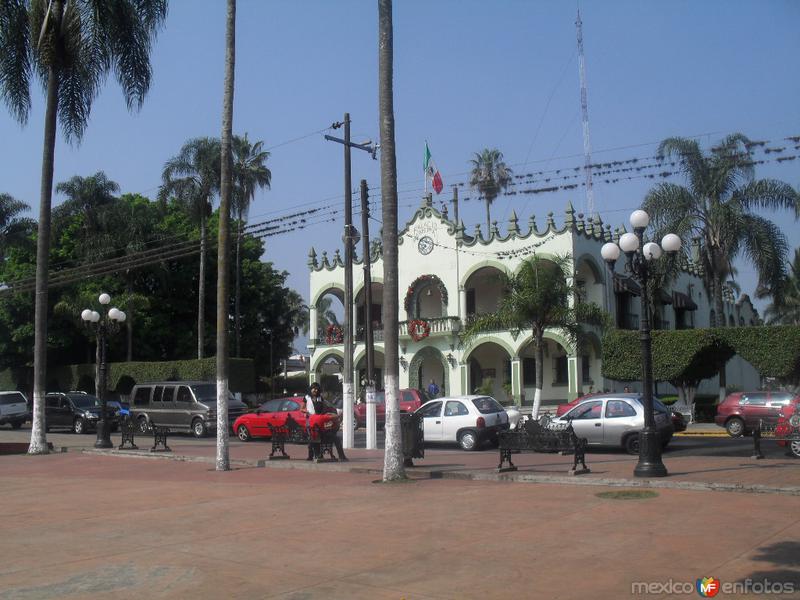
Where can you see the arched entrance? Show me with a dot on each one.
(429, 363)
(328, 373)
(489, 371)
(426, 298)
(361, 370)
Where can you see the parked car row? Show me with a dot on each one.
(741, 412)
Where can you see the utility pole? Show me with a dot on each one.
(347, 325)
(372, 424)
(455, 205)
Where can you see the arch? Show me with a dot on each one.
(416, 287)
(329, 288)
(548, 256)
(549, 334)
(488, 263)
(328, 353)
(486, 339)
(416, 363)
(357, 289)
(362, 354)
(591, 262)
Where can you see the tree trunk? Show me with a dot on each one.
(719, 309)
(488, 218)
(237, 314)
(38, 443)
(201, 285)
(223, 250)
(537, 395)
(393, 468)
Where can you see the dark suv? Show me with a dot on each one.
(76, 411)
(741, 411)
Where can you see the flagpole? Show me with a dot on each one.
(425, 169)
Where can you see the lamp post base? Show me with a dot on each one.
(103, 436)
(650, 464)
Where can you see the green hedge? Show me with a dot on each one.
(698, 353)
(241, 373)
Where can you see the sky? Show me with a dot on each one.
(469, 75)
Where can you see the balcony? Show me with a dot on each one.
(439, 325)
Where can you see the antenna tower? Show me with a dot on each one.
(587, 144)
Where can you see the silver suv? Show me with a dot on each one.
(181, 406)
(13, 409)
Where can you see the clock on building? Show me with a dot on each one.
(425, 245)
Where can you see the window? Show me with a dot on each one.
(157, 393)
(51, 401)
(619, 408)
(408, 397)
(289, 406)
(431, 410)
(169, 394)
(528, 371)
(587, 410)
(471, 301)
(562, 371)
(142, 397)
(271, 406)
(586, 369)
(755, 399)
(184, 395)
(487, 405)
(12, 399)
(455, 409)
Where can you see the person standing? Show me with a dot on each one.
(433, 389)
(313, 407)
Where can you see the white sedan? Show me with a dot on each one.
(467, 420)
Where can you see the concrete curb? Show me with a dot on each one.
(469, 475)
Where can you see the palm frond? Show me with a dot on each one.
(15, 58)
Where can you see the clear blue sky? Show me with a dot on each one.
(469, 74)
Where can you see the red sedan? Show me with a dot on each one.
(789, 426)
(276, 412)
(410, 400)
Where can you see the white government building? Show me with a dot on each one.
(446, 276)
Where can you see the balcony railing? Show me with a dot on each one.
(439, 325)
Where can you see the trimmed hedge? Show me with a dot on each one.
(696, 354)
(241, 373)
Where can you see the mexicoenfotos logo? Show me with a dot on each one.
(708, 587)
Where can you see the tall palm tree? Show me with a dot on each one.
(224, 243)
(13, 228)
(393, 468)
(70, 45)
(250, 173)
(192, 178)
(90, 197)
(537, 299)
(490, 175)
(785, 308)
(719, 207)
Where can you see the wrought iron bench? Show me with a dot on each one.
(128, 428)
(542, 436)
(291, 432)
(160, 439)
(767, 432)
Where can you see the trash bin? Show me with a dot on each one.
(413, 437)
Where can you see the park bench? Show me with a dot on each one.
(128, 429)
(291, 432)
(542, 436)
(767, 432)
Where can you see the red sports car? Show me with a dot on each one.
(276, 412)
(789, 426)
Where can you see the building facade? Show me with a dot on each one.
(447, 276)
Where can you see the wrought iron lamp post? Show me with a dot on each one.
(103, 325)
(638, 255)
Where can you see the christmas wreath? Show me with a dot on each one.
(419, 329)
(333, 334)
(423, 279)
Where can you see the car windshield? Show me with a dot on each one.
(85, 401)
(207, 391)
(12, 399)
(487, 405)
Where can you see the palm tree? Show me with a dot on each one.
(537, 298)
(393, 468)
(489, 176)
(719, 208)
(70, 46)
(224, 243)
(250, 173)
(192, 178)
(785, 308)
(90, 197)
(13, 228)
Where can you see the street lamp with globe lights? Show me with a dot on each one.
(638, 256)
(103, 325)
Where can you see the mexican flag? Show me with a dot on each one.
(431, 172)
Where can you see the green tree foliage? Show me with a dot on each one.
(489, 176)
(785, 309)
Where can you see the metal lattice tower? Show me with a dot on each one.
(587, 144)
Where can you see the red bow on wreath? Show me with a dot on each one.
(333, 334)
(419, 329)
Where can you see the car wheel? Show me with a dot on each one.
(631, 444)
(16, 424)
(199, 428)
(243, 433)
(79, 426)
(735, 427)
(468, 440)
(794, 446)
(144, 426)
